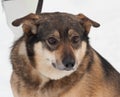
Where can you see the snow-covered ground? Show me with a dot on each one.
(105, 39)
(5, 66)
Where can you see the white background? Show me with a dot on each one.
(105, 39)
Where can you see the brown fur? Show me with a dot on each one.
(94, 77)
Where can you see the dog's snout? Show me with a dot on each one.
(69, 65)
(68, 62)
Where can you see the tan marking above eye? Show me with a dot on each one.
(75, 39)
(72, 33)
(56, 34)
(53, 39)
(73, 36)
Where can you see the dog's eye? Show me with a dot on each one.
(75, 39)
(52, 41)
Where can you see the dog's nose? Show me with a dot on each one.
(68, 62)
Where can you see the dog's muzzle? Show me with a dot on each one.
(67, 64)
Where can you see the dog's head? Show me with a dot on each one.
(56, 42)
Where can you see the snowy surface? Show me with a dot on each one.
(5, 66)
(105, 39)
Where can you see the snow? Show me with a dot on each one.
(5, 66)
(105, 39)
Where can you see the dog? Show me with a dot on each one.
(54, 58)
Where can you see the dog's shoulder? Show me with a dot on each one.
(110, 74)
(107, 67)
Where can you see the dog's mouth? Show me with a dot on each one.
(62, 67)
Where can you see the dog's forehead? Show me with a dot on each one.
(58, 16)
(50, 22)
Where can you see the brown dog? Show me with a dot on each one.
(53, 58)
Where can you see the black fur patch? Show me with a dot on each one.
(107, 67)
(30, 41)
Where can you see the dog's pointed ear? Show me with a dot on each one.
(87, 23)
(28, 23)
